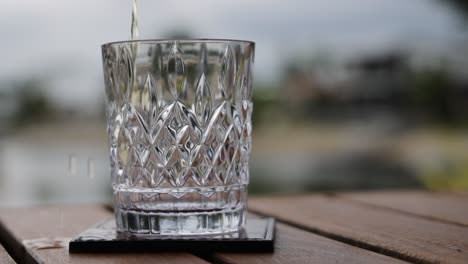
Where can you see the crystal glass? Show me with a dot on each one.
(179, 125)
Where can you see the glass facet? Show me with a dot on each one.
(179, 126)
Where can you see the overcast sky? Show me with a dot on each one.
(60, 39)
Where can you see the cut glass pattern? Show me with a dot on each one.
(179, 130)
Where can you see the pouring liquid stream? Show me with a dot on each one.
(135, 34)
(134, 29)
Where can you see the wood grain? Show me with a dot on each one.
(293, 245)
(381, 230)
(5, 257)
(18, 225)
(445, 207)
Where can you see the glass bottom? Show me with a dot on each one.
(193, 211)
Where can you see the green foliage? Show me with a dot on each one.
(431, 93)
(265, 101)
(453, 178)
(33, 105)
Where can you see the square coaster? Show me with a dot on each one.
(257, 236)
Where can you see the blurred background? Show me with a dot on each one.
(348, 95)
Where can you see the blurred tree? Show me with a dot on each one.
(178, 33)
(432, 93)
(264, 101)
(461, 6)
(33, 105)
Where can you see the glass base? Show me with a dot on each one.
(196, 212)
(193, 223)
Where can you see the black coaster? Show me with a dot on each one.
(257, 236)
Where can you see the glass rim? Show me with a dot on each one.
(180, 40)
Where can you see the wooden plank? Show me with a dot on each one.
(20, 228)
(446, 207)
(298, 246)
(381, 230)
(5, 257)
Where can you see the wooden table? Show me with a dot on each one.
(373, 227)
